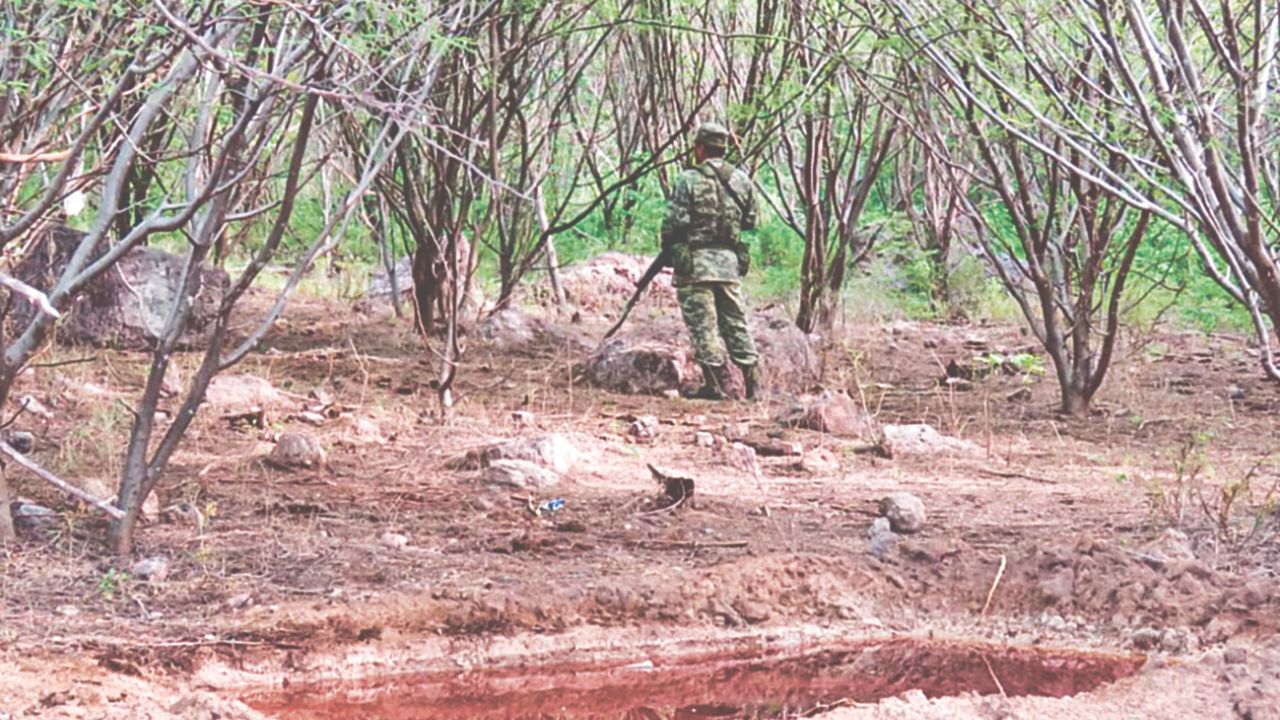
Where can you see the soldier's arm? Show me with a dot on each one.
(676, 222)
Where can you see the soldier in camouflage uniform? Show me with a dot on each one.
(712, 204)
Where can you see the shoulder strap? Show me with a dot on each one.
(724, 180)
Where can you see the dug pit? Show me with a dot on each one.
(716, 686)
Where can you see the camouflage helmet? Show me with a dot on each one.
(712, 134)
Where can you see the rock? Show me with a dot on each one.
(1170, 546)
(520, 474)
(644, 429)
(151, 569)
(645, 360)
(365, 430)
(125, 308)
(704, 439)
(904, 511)
(297, 451)
(23, 442)
(753, 611)
(241, 394)
(655, 359)
(881, 537)
(1060, 587)
(29, 403)
(1235, 655)
(511, 329)
(831, 412)
(381, 282)
(30, 516)
(820, 462)
(1146, 638)
(550, 451)
(743, 457)
(1176, 642)
(920, 439)
(313, 419)
(395, 541)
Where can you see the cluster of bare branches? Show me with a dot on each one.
(1082, 126)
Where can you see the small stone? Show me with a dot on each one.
(1172, 544)
(151, 506)
(644, 429)
(1235, 392)
(1020, 395)
(241, 394)
(819, 461)
(881, 537)
(704, 439)
(753, 611)
(550, 451)
(30, 404)
(395, 541)
(151, 569)
(1056, 623)
(170, 387)
(68, 610)
(311, 418)
(31, 516)
(736, 432)
(236, 602)
(365, 430)
(904, 511)
(744, 458)
(520, 474)
(522, 417)
(23, 442)
(1235, 655)
(297, 451)
(1146, 638)
(1177, 642)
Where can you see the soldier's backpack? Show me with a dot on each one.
(724, 232)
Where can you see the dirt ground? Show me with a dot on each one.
(390, 558)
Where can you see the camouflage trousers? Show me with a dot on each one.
(712, 311)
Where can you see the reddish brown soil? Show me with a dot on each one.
(715, 686)
(290, 580)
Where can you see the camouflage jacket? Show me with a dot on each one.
(704, 221)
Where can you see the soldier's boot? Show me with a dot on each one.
(750, 381)
(712, 384)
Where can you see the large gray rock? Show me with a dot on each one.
(126, 307)
(551, 451)
(644, 360)
(921, 439)
(654, 358)
(519, 474)
(511, 328)
(904, 511)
